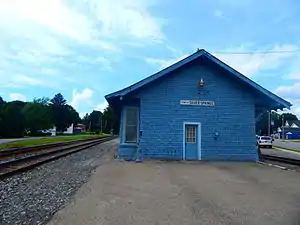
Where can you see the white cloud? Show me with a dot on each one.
(292, 94)
(47, 71)
(295, 109)
(289, 90)
(102, 62)
(249, 64)
(49, 21)
(108, 46)
(49, 33)
(101, 106)
(164, 63)
(54, 15)
(82, 114)
(83, 97)
(295, 75)
(218, 13)
(17, 96)
(127, 18)
(26, 80)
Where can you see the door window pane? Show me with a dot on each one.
(190, 134)
(131, 116)
(131, 133)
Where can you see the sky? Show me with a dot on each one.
(85, 49)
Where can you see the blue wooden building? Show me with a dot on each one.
(197, 109)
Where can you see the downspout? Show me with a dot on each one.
(138, 153)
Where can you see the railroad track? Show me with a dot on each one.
(19, 160)
(290, 161)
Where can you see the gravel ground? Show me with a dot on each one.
(34, 196)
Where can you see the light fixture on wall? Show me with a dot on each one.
(201, 83)
(216, 135)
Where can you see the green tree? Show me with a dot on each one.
(73, 115)
(13, 123)
(1, 101)
(2, 105)
(63, 114)
(58, 99)
(95, 121)
(86, 121)
(43, 100)
(110, 120)
(288, 116)
(59, 113)
(262, 125)
(37, 116)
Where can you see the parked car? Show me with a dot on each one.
(265, 141)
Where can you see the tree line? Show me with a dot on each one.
(105, 122)
(18, 118)
(276, 121)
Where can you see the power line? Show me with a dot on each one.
(256, 53)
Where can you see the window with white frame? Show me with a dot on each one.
(131, 124)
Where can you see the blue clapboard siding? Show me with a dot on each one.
(162, 117)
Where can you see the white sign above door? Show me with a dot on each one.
(197, 102)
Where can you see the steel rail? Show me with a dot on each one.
(8, 152)
(18, 165)
(281, 159)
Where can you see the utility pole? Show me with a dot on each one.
(101, 124)
(269, 124)
(282, 130)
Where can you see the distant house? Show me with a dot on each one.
(79, 128)
(69, 130)
(292, 129)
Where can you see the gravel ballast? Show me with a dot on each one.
(34, 196)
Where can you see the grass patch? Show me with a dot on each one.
(48, 140)
(286, 149)
(293, 140)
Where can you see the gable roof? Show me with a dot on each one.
(200, 53)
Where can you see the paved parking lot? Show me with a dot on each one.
(185, 193)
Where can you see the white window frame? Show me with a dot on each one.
(124, 125)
